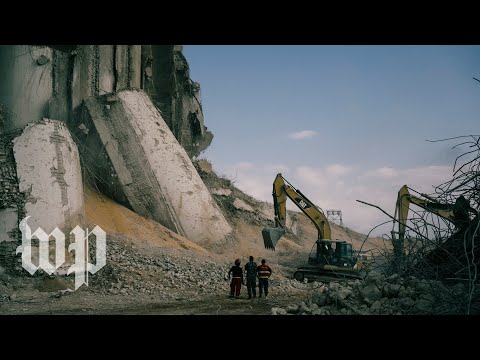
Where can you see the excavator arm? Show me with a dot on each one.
(282, 190)
(457, 213)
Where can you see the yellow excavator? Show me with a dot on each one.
(329, 259)
(457, 213)
(437, 263)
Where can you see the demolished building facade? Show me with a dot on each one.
(126, 119)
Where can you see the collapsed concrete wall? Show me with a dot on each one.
(82, 71)
(149, 171)
(49, 176)
(53, 81)
(116, 164)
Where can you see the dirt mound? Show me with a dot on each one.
(115, 218)
(47, 284)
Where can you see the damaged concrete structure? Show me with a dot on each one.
(40, 177)
(167, 82)
(142, 140)
(52, 81)
(49, 174)
(148, 171)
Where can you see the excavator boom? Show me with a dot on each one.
(456, 213)
(282, 190)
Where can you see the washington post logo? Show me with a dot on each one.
(81, 266)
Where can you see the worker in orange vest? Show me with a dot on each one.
(263, 273)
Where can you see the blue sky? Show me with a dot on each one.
(340, 122)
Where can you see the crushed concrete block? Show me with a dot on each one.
(406, 303)
(266, 211)
(319, 298)
(391, 290)
(205, 166)
(242, 205)
(370, 293)
(49, 173)
(292, 309)
(344, 293)
(278, 311)
(153, 172)
(222, 192)
(376, 306)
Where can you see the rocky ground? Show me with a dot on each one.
(165, 281)
(172, 281)
(151, 270)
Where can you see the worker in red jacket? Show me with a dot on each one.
(237, 279)
(263, 273)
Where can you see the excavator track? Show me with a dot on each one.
(321, 275)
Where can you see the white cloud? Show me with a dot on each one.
(383, 172)
(243, 165)
(277, 168)
(338, 170)
(338, 186)
(310, 176)
(304, 134)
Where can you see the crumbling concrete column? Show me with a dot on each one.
(135, 65)
(106, 64)
(25, 83)
(167, 81)
(85, 77)
(40, 177)
(156, 176)
(128, 66)
(49, 176)
(11, 203)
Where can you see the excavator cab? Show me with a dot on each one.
(335, 253)
(330, 260)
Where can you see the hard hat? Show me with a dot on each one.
(237, 262)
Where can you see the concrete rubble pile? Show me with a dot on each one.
(379, 295)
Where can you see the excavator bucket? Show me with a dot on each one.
(271, 236)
